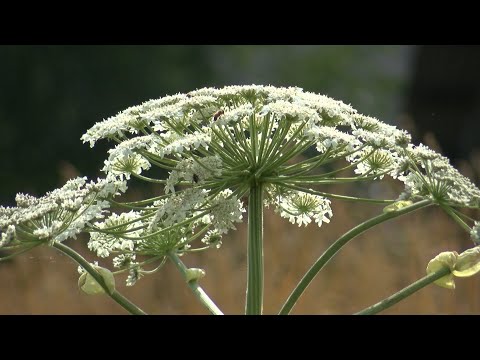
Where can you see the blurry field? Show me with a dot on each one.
(371, 267)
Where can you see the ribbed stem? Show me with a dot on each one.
(254, 301)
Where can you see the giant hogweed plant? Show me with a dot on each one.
(227, 154)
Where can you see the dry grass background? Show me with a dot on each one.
(371, 267)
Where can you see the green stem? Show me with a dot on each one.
(21, 251)
(405, 292)
(115, 295)
(147, 179)
(337, 245)
(455, 217)
(197, 290)
(340, 197)
(254, 301)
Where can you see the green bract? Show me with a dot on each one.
(464, 265)
(90, 286)
(444, 259)
(194, 274)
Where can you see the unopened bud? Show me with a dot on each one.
(89, 285)
(442, 260)
(194, 274)
(397, 206)
(468, 263)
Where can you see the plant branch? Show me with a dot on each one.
(115, 295)
(193, 285)
(405, 292)
(337, 245)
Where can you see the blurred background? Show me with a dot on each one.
(50, 95)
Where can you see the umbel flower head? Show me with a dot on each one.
(59, 215)
(218, 144)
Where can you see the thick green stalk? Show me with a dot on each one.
(193, 284)
(115, 295)
(254, 301)
(337, 245)
(405, 292)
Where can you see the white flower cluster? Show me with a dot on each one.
(134, 118)
(436, 179)
(103, 243)
(8, 236)
(329, 138)
(218, 141)
(194, 171)
(225, 211)
(216, 145)
(301, 208)
(178, 207)
(62, 213)
(475, 233)
(234, 115)
(186, 123)
(295, 110)
(377, 162)
(133, 276)
(175, 144)
(125, 159)
(213, 237)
